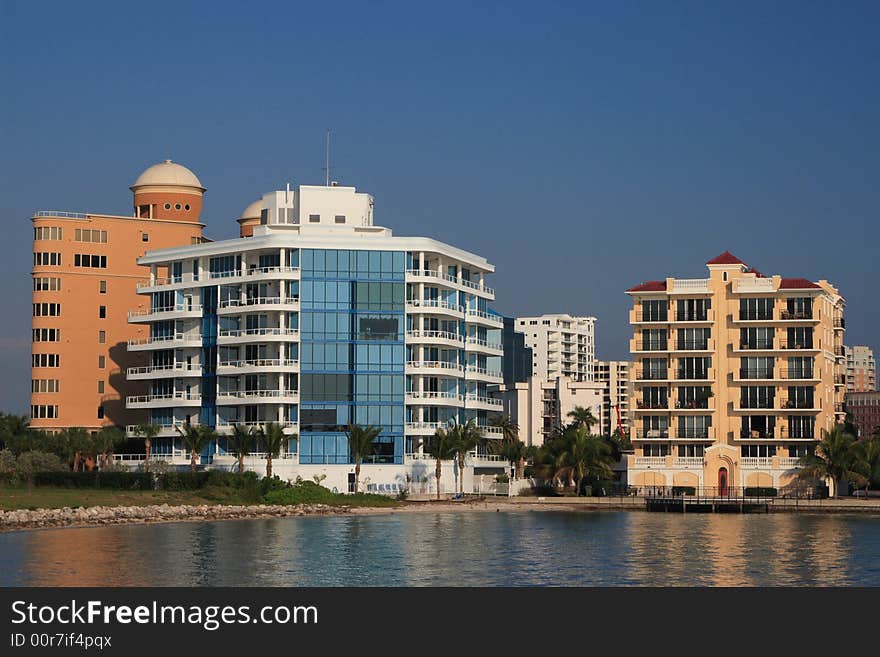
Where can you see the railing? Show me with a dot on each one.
(688, 461)
(435, 364)
(696, 375)
(256, 271)
(258, 301)
(690, 285)
(652, 404)
(178, 395)
(839, 379)
(697, 316)
(484, 400)
(753, 285)
(797, 345)
(639, 315)
(438, 335)
(694, 345)
(484, 343)
(159, 339)
(755, 316)
(257, 424)
(701, 433)
(432, 273)
(244, 394)
(796, 314)
(756, 344)
(839, 322)
(789, 462)
(797, 404)
(179, 308)
(649, 434)
(756, 405)
(650, 460)
(434, 303)
(652, 375)
(60, 214)
(175, 367)
(693, 404)
(470, 369)
(839, 350)
(259, 362)
(235, 333)
(421, 394)
(420, 426)
(659, 345)
(750, 373)
(472, 312)
(796, 374)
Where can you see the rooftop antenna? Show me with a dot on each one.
(327, 168)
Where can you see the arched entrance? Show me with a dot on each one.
(723, 489)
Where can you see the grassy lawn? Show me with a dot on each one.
(57, 498)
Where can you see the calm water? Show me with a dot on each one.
(466, 549)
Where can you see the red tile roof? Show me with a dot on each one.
(726, 258)
(649, 286)
(796, 284)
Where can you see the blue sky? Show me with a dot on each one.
(580, 147)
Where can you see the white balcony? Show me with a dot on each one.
(269, 334)
(180, 311)
(233, 367)
(689, 286)
(165, 431)
(174, 399)
(433, 276)
(174, 341)
(483, 346)
(756, 462)
(482, 374)
(423, 428)
(224, 428)
(649, 461)
(163, 371)
(424, 398)
(236, 397)
(434, 307)
(482, 317)
(476, 401)
(238, 306)
(434, 368)
(445, 338)
(261, 273)
(753, 285)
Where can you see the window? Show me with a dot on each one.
(102, 337)
(102, 287)
(47, 233)
(756, 309)
(314, 218)
(340, 218)
(89, 260)
(177, 206)
(90, 235)
(102, 362)
(145, 237)
(692, 310)
(186, 207)
(46, 284)
(100, 387)
(44, 385)
(43, 412)
(45, 360)
(102, 312)
(46, 335)
(100, 412)
(44, 259)
(47, 309)
(167, 206)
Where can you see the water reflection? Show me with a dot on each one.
(457, 549)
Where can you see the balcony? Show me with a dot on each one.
(653, 375)
(258, 273)
(482, 374)
(478, 344)
(163, 371)
(273, 334)
(756, 345)
(225, 427)
(477, 400)
(435, 306)
(695, 433)
(839, 350)
(165, 342)
(176, 398)
(695, 375)
(434, 275)
(648, 461)
(435, 337)
(689, 286)
(639, 316)
(651, 434)
(755, 375)
(704, 404)
(705, 316)
(637, 346)
(433, 398)
(652, 404)
(434, 368)
(808, 405)
(752, 316)
(796, 315)
(234, 367)
(179, 311)
(236, 306)
(753, 285)
(797, 345)
(756, 462)
(839, 323)
(481, 316)
(227, 397)
(423, 428)
(694, 345)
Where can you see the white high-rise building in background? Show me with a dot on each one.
(561, 345)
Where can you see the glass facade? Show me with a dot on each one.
(352, 353)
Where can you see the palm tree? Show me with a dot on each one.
(588, 458)
(583, 417)
(440, 447)
(868, 461)
(516, 452)
(466, 438)
(105, 441)
(834, 458)
(239, 442)
(360, 443)
(195, 439)
(77, 442)
(509, 428)
(147, 432)
(271, 439)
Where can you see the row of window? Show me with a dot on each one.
(47, 233)
(47, 309)
(47, 284)
(44, 385)
(46, 335)
(45, 360)
(89, 260)
(44, 411)
(90, 235)
(46, 259)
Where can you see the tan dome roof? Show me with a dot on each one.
(167, 173)
(252, 211)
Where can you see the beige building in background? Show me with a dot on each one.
(861, 369)
(736, 376)
(617, 391)
(562, 345)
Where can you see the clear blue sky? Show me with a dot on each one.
(580, 147)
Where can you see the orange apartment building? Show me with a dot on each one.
(85, 276)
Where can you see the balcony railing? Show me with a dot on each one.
(802, 374)
(694, 345)
(652, 375)
(693, 404)
(484, 343)
(648, 434)
(749, 373)
(435, 364)
(797, 345)
(756, 344)
(755, 316)
(796, 404)
(434, 335)
(697, 316)
(258, 301)
(839, 322)
(658, 404)
(236, 333)
(694, 375)
(756, 404)
(796, 314)
(702, 433)
(839, 350)
(639, 315)
(259, 362)
(651, 345)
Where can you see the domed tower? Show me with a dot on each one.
(250, 218)
(168, 191)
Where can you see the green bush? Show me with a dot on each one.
(184, 480)
(760, 491)
(94, 479)
(302, 492)
(275, 483)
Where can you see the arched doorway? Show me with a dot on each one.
(723, 489)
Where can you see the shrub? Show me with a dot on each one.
(403, 494)
(183, 480)
(302, 492)
(276, 483)
(94, 479)
(7, 462)
(684, 490)
(502, 479)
